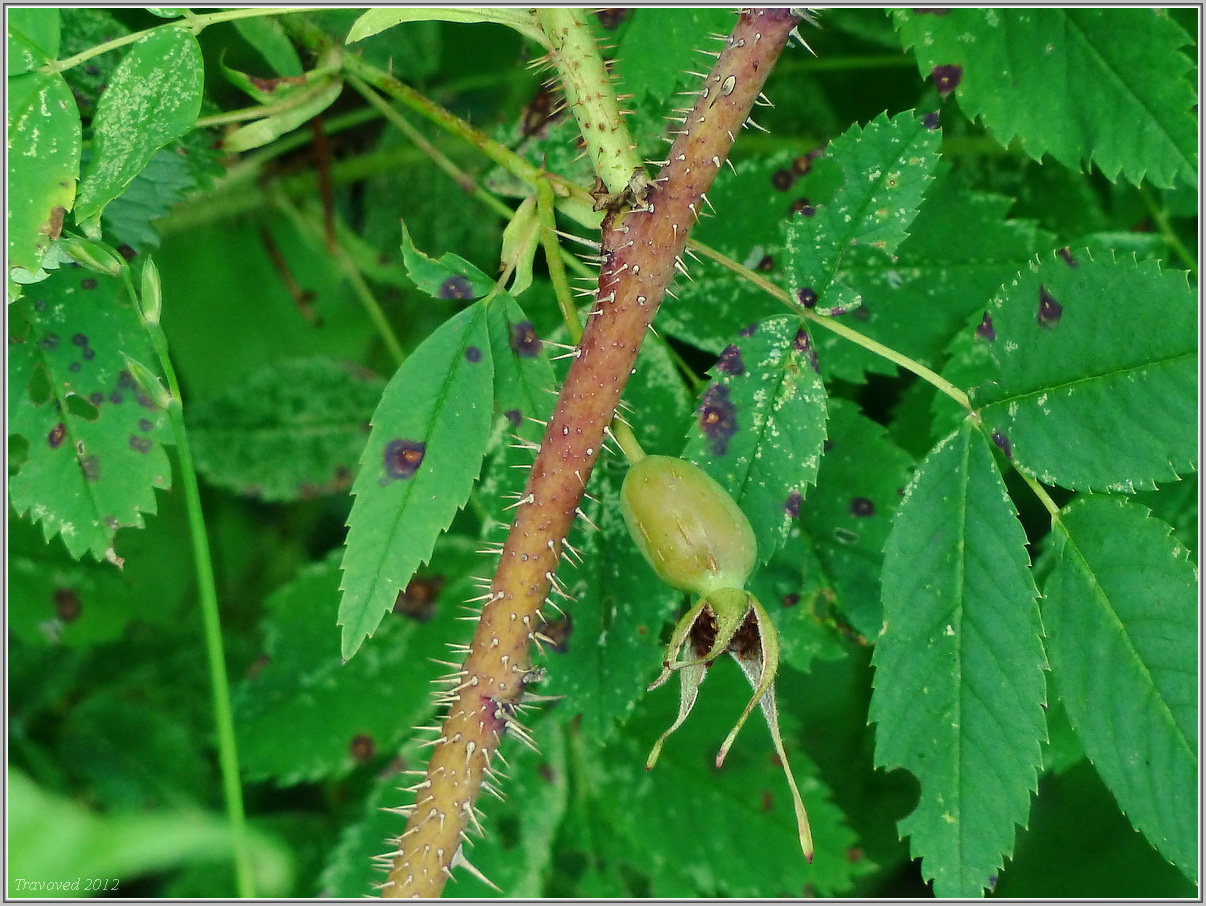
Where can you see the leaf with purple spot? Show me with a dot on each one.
(450, 278)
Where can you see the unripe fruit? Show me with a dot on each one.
(687, 526)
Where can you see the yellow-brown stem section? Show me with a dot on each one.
(639, 253)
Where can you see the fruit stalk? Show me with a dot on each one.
(641, 250)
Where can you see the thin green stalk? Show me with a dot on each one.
(196, 23)
(363, 292)
(1171, 239)
(552, 255)
(207, 592)
(836, 326)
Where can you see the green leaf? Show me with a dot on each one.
(523, 375)
(424, 452)
(288, 431)
(1097, 380)
(887, 167)
(846, 518)
(292, 108)
(1032, 74)
(33, 38)
(1121, 611)
(129, 218)
(378, 20)
(154, 97)
(95, 440)
(452, 277)
(50, 831)
(44, 160)
(660, 398)
(661, 46)
(760, 425)
(335, 715)
(267, 36)
(960, 249)
(959, 665)
(610, 637)
(698, 831)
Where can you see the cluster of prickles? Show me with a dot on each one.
(643, 236)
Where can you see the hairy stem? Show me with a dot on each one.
(640, 251)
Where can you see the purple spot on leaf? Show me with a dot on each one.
(791, 600)
(748, 331)
(96, 398)
(144, 424)
(717, 418)
(766, 264)
(90, 466)
(783, 179)
(1049, 311)
(986, 331)
(1002, 441)
(88, 283)
(140, 444)
(403, 458)
(947, 78)
(791, 506)
(455, 287)
(730, 361)
(862, 507)
(67, 606)
(803, 345)
(473, 355)
(803, 206)
(807, 297)
(524, 341)
(57, 434)
(49, 343)
(930, 120)
(1066, 254)
(515, 417)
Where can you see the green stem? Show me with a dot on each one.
(196, 23)
(1171, 239)
(552, 255)
(836, 326)
(228, 756)
(362, 290)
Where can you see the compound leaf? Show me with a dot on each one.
(95, 439)
(1062, 80)
(424, 452)
(290, 430)
(154, 97)
(887, 167)
(1097, 380)
(959, 665)
(760, 425)
(339, 715)
(1120, 607)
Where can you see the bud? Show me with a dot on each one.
(150, 300)
(148, 382)
(96, 256)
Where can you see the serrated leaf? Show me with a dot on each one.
(33, 38)
(130, 217)
(846, 518)
(1031, 74)
(959, 665)
(288, 431)
(376, 21)
(760, 425)
(153, 98)
(715, 304)
(424, 452)
(338, 715)
(660, 47)
(611, 634)
(887, 167)
(452, 277)
(1097, 380)
(95, 440)
(44, 143)
(698, 831)
(960, 249)
(1121, 611)
(300, 105)
(658, 392)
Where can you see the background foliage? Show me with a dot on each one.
(1029, 236)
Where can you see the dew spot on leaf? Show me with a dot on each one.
(57, 434)
(455, 287)
(717, 418)
(418, 600)
(403, 458)
(862, 507)
(730, 361)
(986, 331)
(524, 340)
(1049, 311)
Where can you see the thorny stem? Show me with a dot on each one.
(640, 249)
(832, 324)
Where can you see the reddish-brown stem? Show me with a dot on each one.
(640, 249)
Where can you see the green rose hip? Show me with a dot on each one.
(698, 540)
